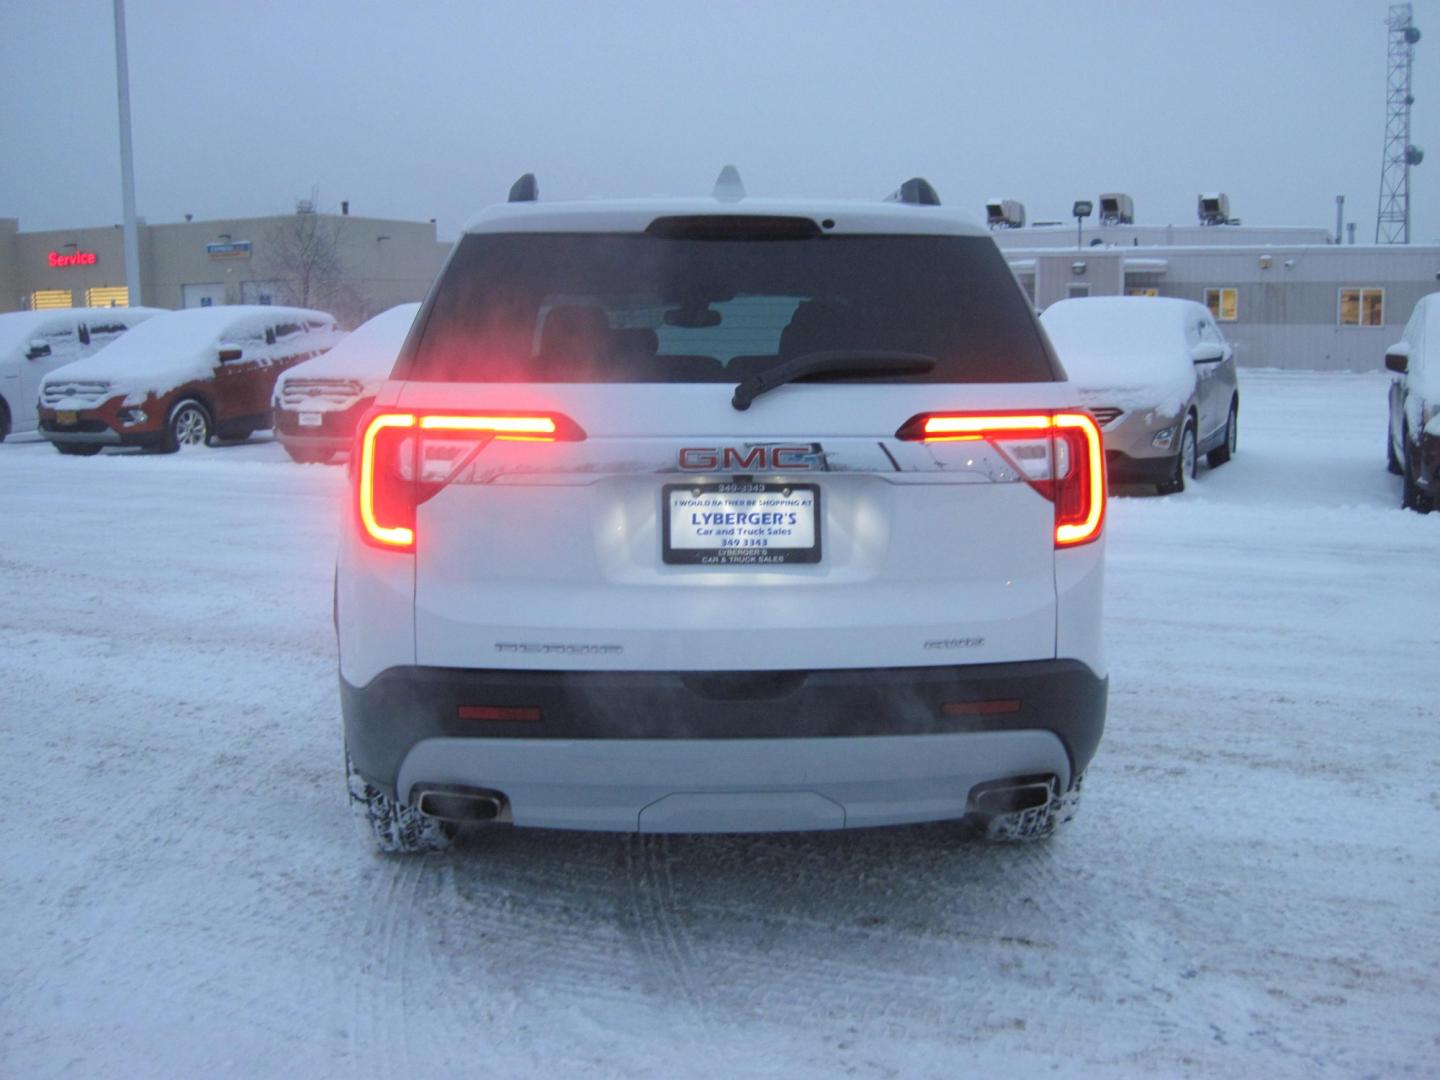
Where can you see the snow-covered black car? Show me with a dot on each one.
(722, 514)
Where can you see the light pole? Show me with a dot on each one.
(1082, 209)
(127, 163)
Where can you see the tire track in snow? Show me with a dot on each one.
(661, 929)
(378, 991)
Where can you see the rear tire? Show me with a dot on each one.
(1411, 497)
(1187, 464)
(1038, 823)
(1226, 450)
(392, 827)
(4, 421)
(78, 449)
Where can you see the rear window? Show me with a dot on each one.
(528, 307)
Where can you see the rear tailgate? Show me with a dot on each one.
(550, 555)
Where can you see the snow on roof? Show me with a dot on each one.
(1133, 347)
(1424, 376)
(17, 327)
(633, 215)
(178, 339)
(367, 353)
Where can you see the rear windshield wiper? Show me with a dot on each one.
(831, 362)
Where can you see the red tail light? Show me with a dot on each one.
(1060, 455)
(404, 457)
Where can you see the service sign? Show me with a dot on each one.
(77, 258)
(741, 524)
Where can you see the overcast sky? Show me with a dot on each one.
(427, 109)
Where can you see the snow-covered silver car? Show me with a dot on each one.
(35, 343)
(318, 403)
(1158, 375)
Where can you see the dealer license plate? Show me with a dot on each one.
(311, 419)
(741, 524)
(66, 418)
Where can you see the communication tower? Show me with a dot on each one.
(1392, 222)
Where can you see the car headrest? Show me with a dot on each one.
(575, 331)
(817, 325)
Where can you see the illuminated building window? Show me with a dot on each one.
(51, 298)
(1224, 304)
(1362, 307)
(107, 296)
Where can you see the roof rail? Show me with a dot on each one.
(916, 191)
(525, 189)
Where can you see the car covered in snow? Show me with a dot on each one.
(722, 515)
(1413, 448)
(1158, 375)
(318, 403)
(35, 343)
(181, 378)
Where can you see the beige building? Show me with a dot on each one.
(376, 263)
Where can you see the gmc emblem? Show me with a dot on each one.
(749, 459)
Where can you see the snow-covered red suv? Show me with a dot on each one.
(722, 515)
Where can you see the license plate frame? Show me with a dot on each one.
(310, 419)
(67, 418)
(748, 497)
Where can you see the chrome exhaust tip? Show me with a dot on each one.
(1012, 796)
(463, 804)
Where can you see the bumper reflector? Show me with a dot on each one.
(499, 712)
(980, 708)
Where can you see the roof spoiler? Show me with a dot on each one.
(525, 189)
(917, 191)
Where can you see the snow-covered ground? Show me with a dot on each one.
(1251, 888)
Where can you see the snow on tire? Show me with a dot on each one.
(1037, 823)
(393, 827)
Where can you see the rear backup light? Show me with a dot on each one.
(405, 457)
(1060, 455)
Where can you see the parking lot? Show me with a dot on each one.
(1251, 885)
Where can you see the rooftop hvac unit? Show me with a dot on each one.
(1117, 209)
(1005, 214)
(1214, 209)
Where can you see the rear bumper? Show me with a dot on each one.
(883, 745)
(734, 785)
(333, 443)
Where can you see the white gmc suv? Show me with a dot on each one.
(722, 515)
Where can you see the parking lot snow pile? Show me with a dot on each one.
(1249, 889)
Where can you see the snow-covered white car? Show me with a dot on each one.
(35, 343)
(1413, 448)
(318, 403)
(722, 514)
(181, 378)
(1158, 375)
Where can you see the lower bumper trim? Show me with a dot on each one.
(404, 707)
